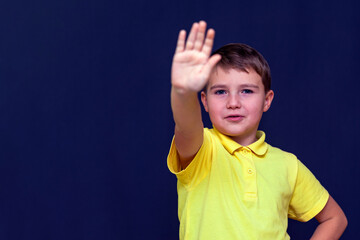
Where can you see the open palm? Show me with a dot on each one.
(192, 63)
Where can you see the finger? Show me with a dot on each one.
(209, 66)
(181, 41)
(192, 36)
(200, 36)
(209, 41)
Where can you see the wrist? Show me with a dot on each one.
(181, 90)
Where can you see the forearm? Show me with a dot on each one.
(186, 111)
(330, 229)
(332, 222)
(188, 124)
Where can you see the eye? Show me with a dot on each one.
(220, 92)
(247, 91)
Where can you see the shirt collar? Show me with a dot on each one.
(259, 147)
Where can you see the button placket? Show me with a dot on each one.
(249, 174)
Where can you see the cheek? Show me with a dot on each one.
(215, 106)
(256, 108)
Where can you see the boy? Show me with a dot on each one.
(231, 183)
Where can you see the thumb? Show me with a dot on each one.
(211, 63)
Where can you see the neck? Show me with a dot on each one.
(245, 140)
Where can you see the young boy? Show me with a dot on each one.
(231, 183)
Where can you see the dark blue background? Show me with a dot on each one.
(85, 118)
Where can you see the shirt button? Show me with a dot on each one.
(250, 171)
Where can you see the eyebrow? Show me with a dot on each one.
(249, 86)
(218, 86)
(242, 86)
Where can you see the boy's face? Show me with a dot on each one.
(235, 101)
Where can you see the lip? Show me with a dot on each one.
(234, 118)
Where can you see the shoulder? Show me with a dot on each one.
(276, 153)
(199, 167)
(202, 154)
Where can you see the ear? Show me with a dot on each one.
(268, 100)
(204, 101)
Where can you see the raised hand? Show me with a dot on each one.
(192, 63)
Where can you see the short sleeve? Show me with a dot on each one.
(199, 166)
(309, 196)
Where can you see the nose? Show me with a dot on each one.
(233, 102)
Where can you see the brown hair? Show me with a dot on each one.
(242, 57)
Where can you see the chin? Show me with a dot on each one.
(232, 133)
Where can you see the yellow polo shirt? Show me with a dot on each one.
(231, 191)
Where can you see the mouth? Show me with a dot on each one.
(234, 118)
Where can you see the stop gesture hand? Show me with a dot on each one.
(192, 63)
